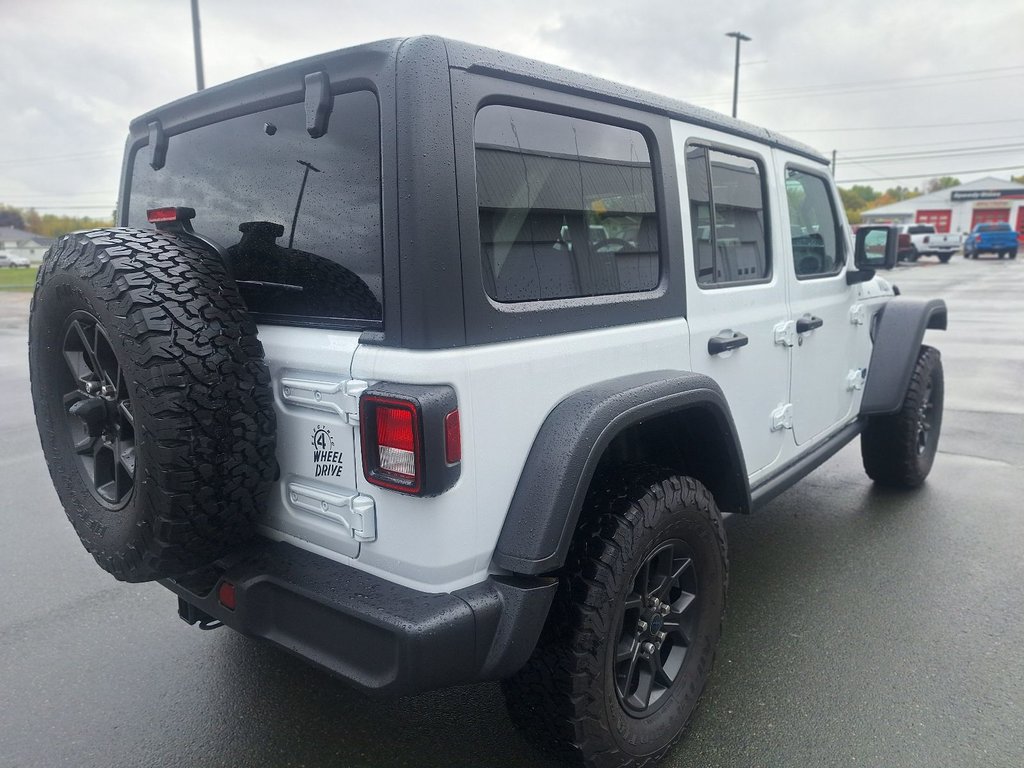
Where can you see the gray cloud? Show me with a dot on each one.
(76, 73)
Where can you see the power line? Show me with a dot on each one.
(933, 173)
(859, 83)
(931, 154)
(898, 127)
(927, 143)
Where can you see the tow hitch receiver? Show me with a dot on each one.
(192, 615)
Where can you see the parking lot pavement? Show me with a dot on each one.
(864, 627)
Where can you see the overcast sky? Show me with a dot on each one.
(868, 79)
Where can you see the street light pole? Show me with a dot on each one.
(740, 37)
(197, 44)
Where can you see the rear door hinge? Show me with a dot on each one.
(352, 511)
(785, 333)
(782, 417)
(338, 397)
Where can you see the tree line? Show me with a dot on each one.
(860, 198)
(48, 224)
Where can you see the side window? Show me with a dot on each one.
(566, 206)
(727, 217)
(814, 227)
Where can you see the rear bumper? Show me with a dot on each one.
(377, 635)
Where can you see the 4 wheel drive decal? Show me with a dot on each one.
(327, 462)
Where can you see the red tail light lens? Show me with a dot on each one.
(396, 447)
(392, 445)
(452, 438)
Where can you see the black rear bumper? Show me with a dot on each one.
(380, 636)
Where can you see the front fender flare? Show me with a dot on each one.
(900, 328)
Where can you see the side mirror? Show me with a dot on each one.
(875, 249)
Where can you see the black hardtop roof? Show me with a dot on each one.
(382, 54)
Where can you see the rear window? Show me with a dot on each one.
(566, 207)
(300, 218)
(994, 228)
(921, 229)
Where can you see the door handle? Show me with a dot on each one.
(725, 341)
(808, 323)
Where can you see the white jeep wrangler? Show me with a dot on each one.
(431, 365)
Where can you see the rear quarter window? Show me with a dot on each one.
(300, 218)
(566, 206)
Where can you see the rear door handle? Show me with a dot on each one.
(808, 323)
(725, 341)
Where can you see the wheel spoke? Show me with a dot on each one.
(644, 686)
(86, 446)
(634, 601)
(628, 649)
(125, 409)
(660, 675)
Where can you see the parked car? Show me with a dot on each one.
(422, 428)
(996, 237)
(917, 240)
(13, 260)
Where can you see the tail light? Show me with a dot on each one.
(411, 439)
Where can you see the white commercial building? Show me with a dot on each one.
(958, 209)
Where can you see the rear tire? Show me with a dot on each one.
(592, 687)
(152, 400)
(899, 449)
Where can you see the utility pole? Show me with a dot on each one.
(740, 37)
(197, 43)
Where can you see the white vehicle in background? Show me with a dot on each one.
(12, 261)
(917, 240)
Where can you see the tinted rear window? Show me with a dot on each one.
(994, 228)
(922, 229)
(299, 217)
(567, 206)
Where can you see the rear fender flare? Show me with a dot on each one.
(548, 499)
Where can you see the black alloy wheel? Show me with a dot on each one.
(98, 411)
(657, 628)
(925, 418)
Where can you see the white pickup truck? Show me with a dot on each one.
(918, 240)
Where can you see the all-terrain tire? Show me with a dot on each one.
(898, 449)
(567, 696)
(152, 400)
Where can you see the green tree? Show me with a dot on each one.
(11, 217)
(942, 182)
(49, 224)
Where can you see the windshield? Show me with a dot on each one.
(298, 217)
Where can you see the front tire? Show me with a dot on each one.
(631, 638)
(899, 449)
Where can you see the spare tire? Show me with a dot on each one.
(152, 399)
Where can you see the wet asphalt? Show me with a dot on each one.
(864, 628)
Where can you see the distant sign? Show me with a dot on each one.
(985, 194)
